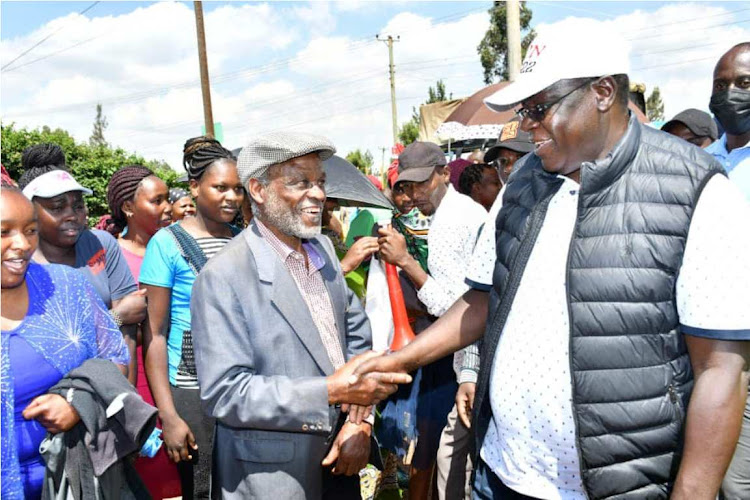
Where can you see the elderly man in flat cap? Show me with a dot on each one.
(273, 327)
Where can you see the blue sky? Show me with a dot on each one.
(305, 65)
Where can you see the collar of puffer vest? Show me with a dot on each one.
(600, 174)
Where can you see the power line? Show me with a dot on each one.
(678, 63)
(19, 56)
(683, 21)
(658, 35)
(52, 54)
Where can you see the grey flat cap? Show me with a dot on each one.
(273, 148)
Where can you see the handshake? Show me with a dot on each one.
(365, 380)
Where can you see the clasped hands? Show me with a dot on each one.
(357, 390)
(364, 381)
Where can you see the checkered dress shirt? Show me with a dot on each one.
(312, 288)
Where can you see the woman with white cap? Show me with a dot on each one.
(64, 238)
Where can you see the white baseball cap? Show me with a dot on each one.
(574, 48)
(53, 183)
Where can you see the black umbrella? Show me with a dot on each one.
(346, 183)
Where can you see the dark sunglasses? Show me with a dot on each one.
(538, 112)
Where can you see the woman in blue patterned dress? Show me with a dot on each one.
(52, 321)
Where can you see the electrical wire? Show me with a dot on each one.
(37, 44)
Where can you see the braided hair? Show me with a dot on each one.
(199, 153)
(40, 159)
(470, 176)
(121, 188)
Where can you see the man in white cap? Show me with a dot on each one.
(273, 326)
(613, 362)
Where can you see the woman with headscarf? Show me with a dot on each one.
(174, 257)
(52, 321)
(64, 238)
(139, 200)
(182, 204)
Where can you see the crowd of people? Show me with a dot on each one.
(579, 295)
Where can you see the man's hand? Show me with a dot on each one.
(132, 307)
(465, 402)
(53, 412)
(351, 449)
(393, 247)
(363, 389)
(359, 251)
(178, 438)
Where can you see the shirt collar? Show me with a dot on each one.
(284, 251)
(446, 203)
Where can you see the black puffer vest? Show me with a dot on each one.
(629, 364)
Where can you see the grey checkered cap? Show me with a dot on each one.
(267, 150)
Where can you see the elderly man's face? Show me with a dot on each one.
(294, 197)
(563, 135)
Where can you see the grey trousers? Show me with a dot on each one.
(454, 460)
(736, 484)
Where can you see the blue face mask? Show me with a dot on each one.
(732, 108)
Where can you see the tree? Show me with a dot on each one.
(493, 48)
(363, 161)
(438, 93)
(92, 166)
(100, 125)
(655, 106)
(409, 131)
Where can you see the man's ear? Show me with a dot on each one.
(605, 90)
(446, 173)
(257, 191)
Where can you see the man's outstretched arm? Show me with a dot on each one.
(461, 325)
(714, 416)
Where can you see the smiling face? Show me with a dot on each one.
(150, 209)
(19, 237)
(218, 194)
(292, 201)
(184, 207)
(62, 218)
(584, 120)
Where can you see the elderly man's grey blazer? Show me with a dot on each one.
(262, 365)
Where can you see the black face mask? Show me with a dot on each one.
(732, 109)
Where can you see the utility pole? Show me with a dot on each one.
(383, 170)
(392, 70)
(513, 23)
(205, 85)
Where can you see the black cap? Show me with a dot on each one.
(417, 162)
(511, 137)
(698, 122)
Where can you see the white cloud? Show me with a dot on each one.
(279, 65)
(676, 48)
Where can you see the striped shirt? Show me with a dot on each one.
(186, 377)
(306, 274)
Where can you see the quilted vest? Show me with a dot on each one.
(630, 369)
